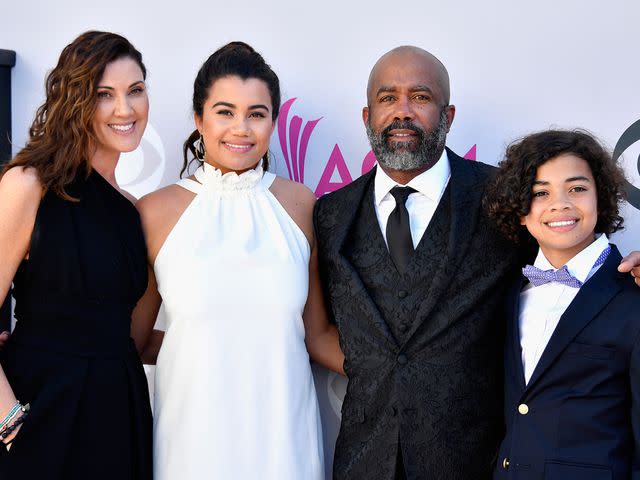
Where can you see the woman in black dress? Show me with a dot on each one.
(72, 244)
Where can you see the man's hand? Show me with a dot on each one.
(631, 263)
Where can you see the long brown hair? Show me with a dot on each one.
(61, 136)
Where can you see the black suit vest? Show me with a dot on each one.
(396, 296)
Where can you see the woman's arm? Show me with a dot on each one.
(20, 194)
(144, 317)
(321, 337)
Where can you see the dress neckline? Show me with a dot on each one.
(210, 176)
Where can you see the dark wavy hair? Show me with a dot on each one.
(508, 196)
(234, 59)
(61, 136)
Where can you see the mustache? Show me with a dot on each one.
(403, 125)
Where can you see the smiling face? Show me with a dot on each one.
(122, 108)
(408, 113)
(564, 208)
(236, 123)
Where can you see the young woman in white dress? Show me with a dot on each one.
(233, 252)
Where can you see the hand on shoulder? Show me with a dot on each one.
(631, 264)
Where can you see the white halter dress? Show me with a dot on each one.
(234, 392)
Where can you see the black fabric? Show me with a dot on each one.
(400, 475)
(71, 356)
(399, 297)
(437, 391)
(399, 230)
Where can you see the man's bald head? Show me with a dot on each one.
(408, 114)
(404, 58)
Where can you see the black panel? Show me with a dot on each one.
(7, 61)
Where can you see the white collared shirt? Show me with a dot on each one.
(541, 307)
(421, 205)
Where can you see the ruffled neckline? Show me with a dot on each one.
(210, 176)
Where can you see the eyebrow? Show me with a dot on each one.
(111, 88)
(231, 105)
(416, 88)
(568, 180)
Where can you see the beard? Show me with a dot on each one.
(406, 156)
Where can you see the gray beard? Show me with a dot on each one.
(402, 155)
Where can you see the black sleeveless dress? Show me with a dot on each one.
(71, 356)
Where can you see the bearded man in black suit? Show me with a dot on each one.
(413, 279)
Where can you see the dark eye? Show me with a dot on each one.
(104, 94)
(137, 90)
(540, 193)
(225, 113)
(387, 98)
(422, 98)
(256, 114)
(578, 189)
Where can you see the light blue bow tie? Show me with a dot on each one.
(539, 277)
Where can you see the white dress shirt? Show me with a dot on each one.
(541, 307)
(421, 205)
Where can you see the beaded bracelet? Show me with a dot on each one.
(10, 415)
(9, 430)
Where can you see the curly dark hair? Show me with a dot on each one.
(508, 197)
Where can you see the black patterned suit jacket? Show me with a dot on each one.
(424, 350)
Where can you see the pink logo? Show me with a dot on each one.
(294, 146)
(294, 157)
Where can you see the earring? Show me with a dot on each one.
(199, 149)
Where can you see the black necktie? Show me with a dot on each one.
(398, 230)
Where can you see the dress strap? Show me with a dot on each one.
(267, 179)
(189, 184)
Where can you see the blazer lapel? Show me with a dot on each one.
(344, 227)
(466, 195)
(590, 300)
(513, 356)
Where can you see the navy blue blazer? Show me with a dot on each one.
(578, 418)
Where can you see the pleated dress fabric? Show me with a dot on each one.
(234, 392)
(71, 356)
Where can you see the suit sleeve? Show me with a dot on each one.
(634, 379)
(322, 264)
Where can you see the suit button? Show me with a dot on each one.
(523, 408)
(392, 411)
(402, 294)
(402, 359)
(505, 463)
(404, 328)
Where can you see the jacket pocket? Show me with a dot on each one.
(591, 351)
(576, 471)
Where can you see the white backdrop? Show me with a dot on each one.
(514, 67)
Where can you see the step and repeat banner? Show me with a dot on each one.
(515, 67)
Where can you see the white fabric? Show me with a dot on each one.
(234, 392)
(541, 307)
(421, 205)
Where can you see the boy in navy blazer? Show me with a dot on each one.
(572, 357)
